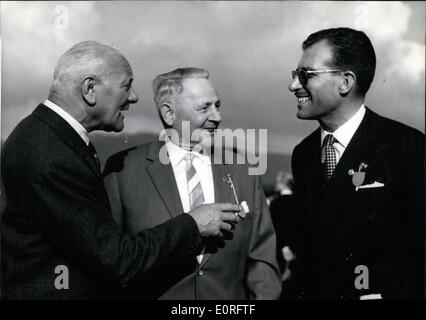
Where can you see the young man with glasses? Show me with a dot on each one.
(358, 179)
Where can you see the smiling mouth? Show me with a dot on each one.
(303, 99)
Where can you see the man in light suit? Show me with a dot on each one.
(58, 237)
(358, 179)
(146, 191)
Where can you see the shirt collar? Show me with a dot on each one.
(345, 132)
(82, 132)
(285, 192)
(176, 154)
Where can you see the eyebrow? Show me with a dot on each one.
(212, 102)
(127, 81)
(306, 68)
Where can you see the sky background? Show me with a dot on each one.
(249, 49)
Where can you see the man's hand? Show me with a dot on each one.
(212, 218)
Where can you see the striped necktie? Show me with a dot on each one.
(195, 191)
(196, 195)
(330, 156)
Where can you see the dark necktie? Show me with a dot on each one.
(330, 156)
(92, 151)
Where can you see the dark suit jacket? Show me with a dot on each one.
(144, 193)
(380, 228)
(57, 213)
(282, 208)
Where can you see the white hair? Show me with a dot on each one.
(170, 83)
(83, 59)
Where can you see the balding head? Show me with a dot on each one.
(87, 58)
(93, 83)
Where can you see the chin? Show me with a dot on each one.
(305, 115)
(302, 116)
(118, 127)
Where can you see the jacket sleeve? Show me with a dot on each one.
(263, 278)
(76, 217)
(114, 196)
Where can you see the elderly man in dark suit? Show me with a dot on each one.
(152, 183)
(358, 179)
(59, 240)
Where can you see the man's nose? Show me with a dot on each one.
(295, 84)
(215, 115)
(133, 97)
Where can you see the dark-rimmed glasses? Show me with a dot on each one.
(305, 75)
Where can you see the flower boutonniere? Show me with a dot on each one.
(244, 205)
(358, 177)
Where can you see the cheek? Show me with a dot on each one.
(321, 94)
(199, 122)
(124, 96)
(192, 117)
(331, 90)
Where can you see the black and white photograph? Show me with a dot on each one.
(197, 151)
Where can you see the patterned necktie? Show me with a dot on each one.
(92, 150)
(330, 156)
(196, 196)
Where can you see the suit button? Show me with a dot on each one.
(200, 273)
(349, 257)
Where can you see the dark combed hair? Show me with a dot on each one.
(352, 51)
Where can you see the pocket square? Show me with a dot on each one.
(372, 185)
(371, 297)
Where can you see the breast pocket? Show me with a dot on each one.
(371, 202)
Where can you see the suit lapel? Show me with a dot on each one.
(222, 193)
(365, 146)
(68, 135)
(312, 169)
(222, 189)
(164, 180)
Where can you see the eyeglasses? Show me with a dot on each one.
(305, 75)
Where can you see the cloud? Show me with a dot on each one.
(408, 59)
(384, 24)
(387, 29)
(39, 29)
(249, 48)
(32, 32)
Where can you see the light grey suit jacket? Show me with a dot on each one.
(143, 193)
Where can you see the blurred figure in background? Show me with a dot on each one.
(283, 214)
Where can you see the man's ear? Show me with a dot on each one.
(88, 90)
(167, 112)
(348, 83)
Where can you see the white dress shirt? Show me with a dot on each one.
(202, 165)
(82, 132)
(343, 134)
